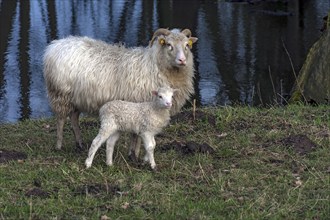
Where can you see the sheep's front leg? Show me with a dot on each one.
(149, 145)
(110, 147)
(60, 126)
(96, 144)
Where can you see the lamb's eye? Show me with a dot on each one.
(160, 96)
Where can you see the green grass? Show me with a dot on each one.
(253, 173)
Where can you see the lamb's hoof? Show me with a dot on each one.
(109, 164)
(88, 164)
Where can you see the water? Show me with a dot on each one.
(239, 57)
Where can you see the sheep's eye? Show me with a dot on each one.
(169, 46)
(186, 47)
(160, 96)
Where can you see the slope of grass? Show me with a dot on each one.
(260, 164)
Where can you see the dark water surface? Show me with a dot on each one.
(239, 57)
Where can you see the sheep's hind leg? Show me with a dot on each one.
(96, 144)
(134, 149)
(110, 147)
(74, 117)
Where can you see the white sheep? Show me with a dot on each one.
(82, 74)
(146, 119)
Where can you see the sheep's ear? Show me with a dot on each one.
(186, 32)
(191, 41)
(160, 31)
(155, 93)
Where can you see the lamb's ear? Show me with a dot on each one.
(155, 93)
(175, 91)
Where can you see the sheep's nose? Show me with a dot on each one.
(181, 61)
(181, 58)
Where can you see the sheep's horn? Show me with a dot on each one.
(160, 31)
(186, 32)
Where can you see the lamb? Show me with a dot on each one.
(145, 119)
(81, 74)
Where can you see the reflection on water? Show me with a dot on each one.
(239, 56)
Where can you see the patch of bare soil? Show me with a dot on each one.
(7, 155)
(188, 147)
(191, 117)
(97, 189)
(299, 143)
(37, 192)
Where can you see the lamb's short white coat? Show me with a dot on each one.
(146, 119)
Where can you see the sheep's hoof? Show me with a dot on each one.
(79, 147)
(154, 169)
(58, 147)
(133, 158)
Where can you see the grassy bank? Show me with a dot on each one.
(228, 163)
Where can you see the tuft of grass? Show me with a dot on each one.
(255, 172)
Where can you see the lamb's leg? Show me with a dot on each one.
(60, 125)
(96, 144)
(137, 147)
(149, 145)
(110, 146)
(75, 126)
(134, 149)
